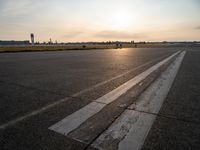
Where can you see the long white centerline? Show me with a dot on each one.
(74, 120)
(49, 106)
(132, 127)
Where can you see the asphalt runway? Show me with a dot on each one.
(41, 88)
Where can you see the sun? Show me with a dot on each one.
(120, 20)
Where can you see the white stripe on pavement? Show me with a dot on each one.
(131, 128)
(111, 96)
(73, 121)
(68, 124)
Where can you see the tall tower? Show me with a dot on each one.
(32, 38)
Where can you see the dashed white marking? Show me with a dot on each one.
(129, 131)
(68, 124)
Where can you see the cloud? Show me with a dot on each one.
(27, 8)
(197, 28)
(73, 34)
(112, 34)
(11, 6)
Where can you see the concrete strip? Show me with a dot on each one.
(151, 100)
(131, 128)
(68, 124)
(129, 122)
(49, 106)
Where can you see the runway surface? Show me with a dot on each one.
(72, 99)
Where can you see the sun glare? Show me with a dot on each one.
(120, 20)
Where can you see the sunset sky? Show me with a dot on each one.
(100, 20)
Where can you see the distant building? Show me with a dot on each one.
(14, 42)
(50, 41)
(32, 38)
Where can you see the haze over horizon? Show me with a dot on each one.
(100, 20)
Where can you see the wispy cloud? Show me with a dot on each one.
(197, 28)
(14, 7)
(73, 34)
(112, 34)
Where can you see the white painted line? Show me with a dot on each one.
(129, 131)
(111, 96)
(68, 124)
(152, 99)
(71, 122)
(38, 111)
(130, 121)
(114, 78)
